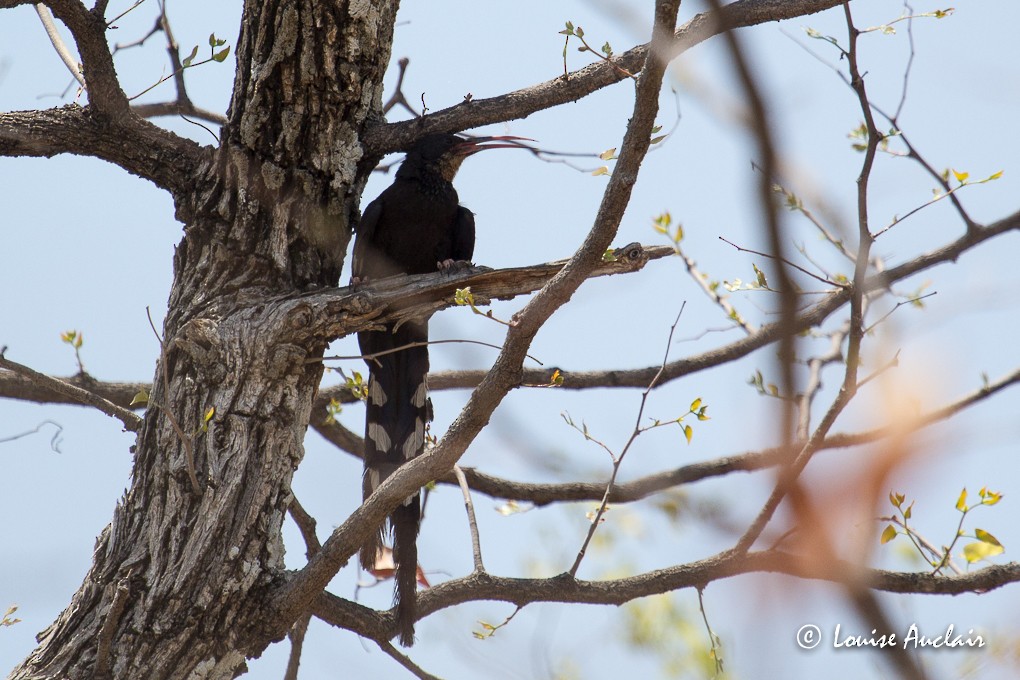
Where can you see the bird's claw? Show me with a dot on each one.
(449, 266)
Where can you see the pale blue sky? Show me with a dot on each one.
(88, 247)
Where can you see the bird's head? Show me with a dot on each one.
(443, 153)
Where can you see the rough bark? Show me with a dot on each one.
(267, 213)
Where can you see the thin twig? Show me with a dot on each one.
(713, 639)
(701, 279)
(476, 543)
(398, 95)
(814, 381)
(132, 422)
(783, 261)
(405, 661)
(424, 343)
(911, 301)
(54, 441)
(306, 525)
(618, 460)
(46, 17)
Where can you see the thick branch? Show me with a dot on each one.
(89, 32)
(383, 139)
(334, 313)
(483, 586)
(141, 148)
(544, 493)
(697, 574)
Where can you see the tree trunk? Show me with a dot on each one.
(179, 578)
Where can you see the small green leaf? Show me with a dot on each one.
(656, 140)
(191, 57)
(209, 414)
(608, 154)
(570, 26)
(608, 256)
(579, 31)
(961, 503)
(688, 433)
(142, 397)
(991, 498)
(221, 55)
(961, 177)
(760, 276)
(695, 405)
(995, 175)
(888, 534)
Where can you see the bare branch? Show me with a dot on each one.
(404, 660)
(562, 588)
(131, 421)
(386, 138)
(476, 544)
(342, 311)
(89, 33)
(136, 145)
(46, 17)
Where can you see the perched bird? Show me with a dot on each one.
(415, 226)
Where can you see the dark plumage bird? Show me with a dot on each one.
(415, 226)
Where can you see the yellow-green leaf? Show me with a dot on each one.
(601, 171)
(688, 432)
(608, 154)
(222, 54)
(888, 535)
(695, 404)
(209, 414)
(961, 503)
(961, 177)
(142, 397)
(979, 550)
(995, 175)
(986, 537)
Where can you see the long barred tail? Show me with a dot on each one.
(397, 412)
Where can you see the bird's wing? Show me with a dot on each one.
(366, 233)
(463, 241)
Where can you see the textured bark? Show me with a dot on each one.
(178, 575)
